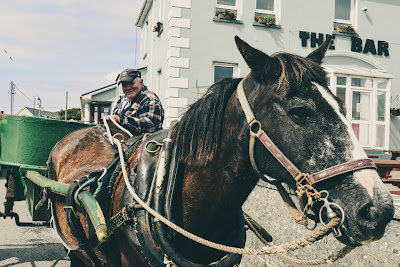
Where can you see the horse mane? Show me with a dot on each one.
(199, 131)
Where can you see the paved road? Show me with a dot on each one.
(28, 246)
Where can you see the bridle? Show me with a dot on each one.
(304, 181)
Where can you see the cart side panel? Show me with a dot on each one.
(29, 140)
(25, 143)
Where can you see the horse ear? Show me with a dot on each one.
(318, 54)
(257, 60)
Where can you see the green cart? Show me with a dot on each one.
(25, 145)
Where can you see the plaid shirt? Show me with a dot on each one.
(144, 115)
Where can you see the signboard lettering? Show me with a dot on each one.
(357, 45)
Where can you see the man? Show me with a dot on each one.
(139, 110)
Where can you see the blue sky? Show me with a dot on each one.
(49, 47)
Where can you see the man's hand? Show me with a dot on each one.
(115, 117)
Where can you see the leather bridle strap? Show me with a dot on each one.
(342, 168)
(257, 131)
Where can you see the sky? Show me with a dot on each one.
(48, 48)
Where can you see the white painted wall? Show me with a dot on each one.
(192, 40)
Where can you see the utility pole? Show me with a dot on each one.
(34, 103)
(12, 92)
(66, 104)
(40, 105)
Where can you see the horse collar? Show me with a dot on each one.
(304, 181)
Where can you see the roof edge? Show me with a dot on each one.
(143, 12)
(99, 89)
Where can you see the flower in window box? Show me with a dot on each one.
(226, 14)
(346, 29)
(265, 20)
(158, 27)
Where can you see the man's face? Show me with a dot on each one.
(131, 90)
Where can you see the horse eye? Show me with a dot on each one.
(301, 114)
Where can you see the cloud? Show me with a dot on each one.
(63, 45)
(112, 76)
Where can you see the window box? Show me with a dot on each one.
(265, 20)
(216, 19)
(274, 26)
(226, 14)
(346, 29)
(344, 34)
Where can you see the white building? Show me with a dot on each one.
(192, 47)
(99, 103)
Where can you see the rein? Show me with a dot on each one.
(304, 181)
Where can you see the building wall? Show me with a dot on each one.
(193, 39)
(24, 112)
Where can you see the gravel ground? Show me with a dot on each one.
(267, 208)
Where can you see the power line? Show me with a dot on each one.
(15, 86)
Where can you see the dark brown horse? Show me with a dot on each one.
(289, 96)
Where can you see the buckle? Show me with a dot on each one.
(303, 179)
(305, 188)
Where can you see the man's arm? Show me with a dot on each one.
(149, 118)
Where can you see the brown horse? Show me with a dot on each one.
(289, 96)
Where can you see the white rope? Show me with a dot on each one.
(263, 250)
(110, 137)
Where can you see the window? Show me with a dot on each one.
(223, 70)
(98, 112)
(267, 8)
(344, 12)
(230, 5)
(367, 105)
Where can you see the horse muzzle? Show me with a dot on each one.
(368, 221)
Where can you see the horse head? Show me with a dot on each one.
(290, 97)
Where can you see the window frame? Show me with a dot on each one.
(99, 112)
(275, 12)
(224, 64)
(352, 21)
(236, 7)
(373, 121)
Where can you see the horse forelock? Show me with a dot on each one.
(198, 134)
(297, 71)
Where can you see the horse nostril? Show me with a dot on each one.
(370, 215)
